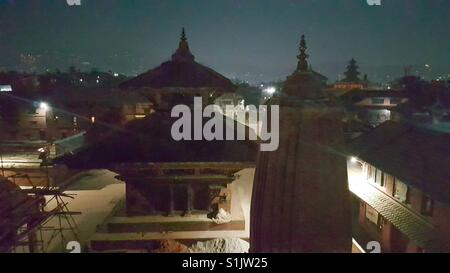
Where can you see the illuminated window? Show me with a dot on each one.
(379, 180)
(371, 173)
(5, 88)
(401, 191)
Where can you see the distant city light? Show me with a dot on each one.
(81, 80)
(270, 90)
(116, 74)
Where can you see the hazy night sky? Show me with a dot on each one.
(234, 37)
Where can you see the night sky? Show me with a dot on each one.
(252, 40)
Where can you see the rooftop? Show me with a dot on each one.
(149, 140)
(181, 71)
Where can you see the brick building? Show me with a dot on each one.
(399, 175)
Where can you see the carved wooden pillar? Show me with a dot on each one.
(190, 199)
(171, 208)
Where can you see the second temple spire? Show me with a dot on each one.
(302, 64)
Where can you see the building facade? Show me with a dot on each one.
(400, 194)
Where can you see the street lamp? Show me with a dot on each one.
(354, 160)
(44, 106)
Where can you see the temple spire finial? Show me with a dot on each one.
(302, 57)
(183, 53)
(183, 35)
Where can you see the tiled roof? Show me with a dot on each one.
(150, 140)
(414, 226)
(180, 71)
(180, 74)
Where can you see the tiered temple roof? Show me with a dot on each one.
(181, 71)
(150, 140)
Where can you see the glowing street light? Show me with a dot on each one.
(355, 160)
(44, 106)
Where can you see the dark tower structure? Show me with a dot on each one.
(300, 199)
(352, 73)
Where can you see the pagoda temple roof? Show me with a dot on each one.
(181, 71)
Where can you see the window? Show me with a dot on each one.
(5, 88)
(380, 221)
(401, 191)
(427, 205)
(373, 216)
(377, 100)
(371, 173)
(375, 176)
(42, 135)
(33, 111)
(395, 101)
(379, 178)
